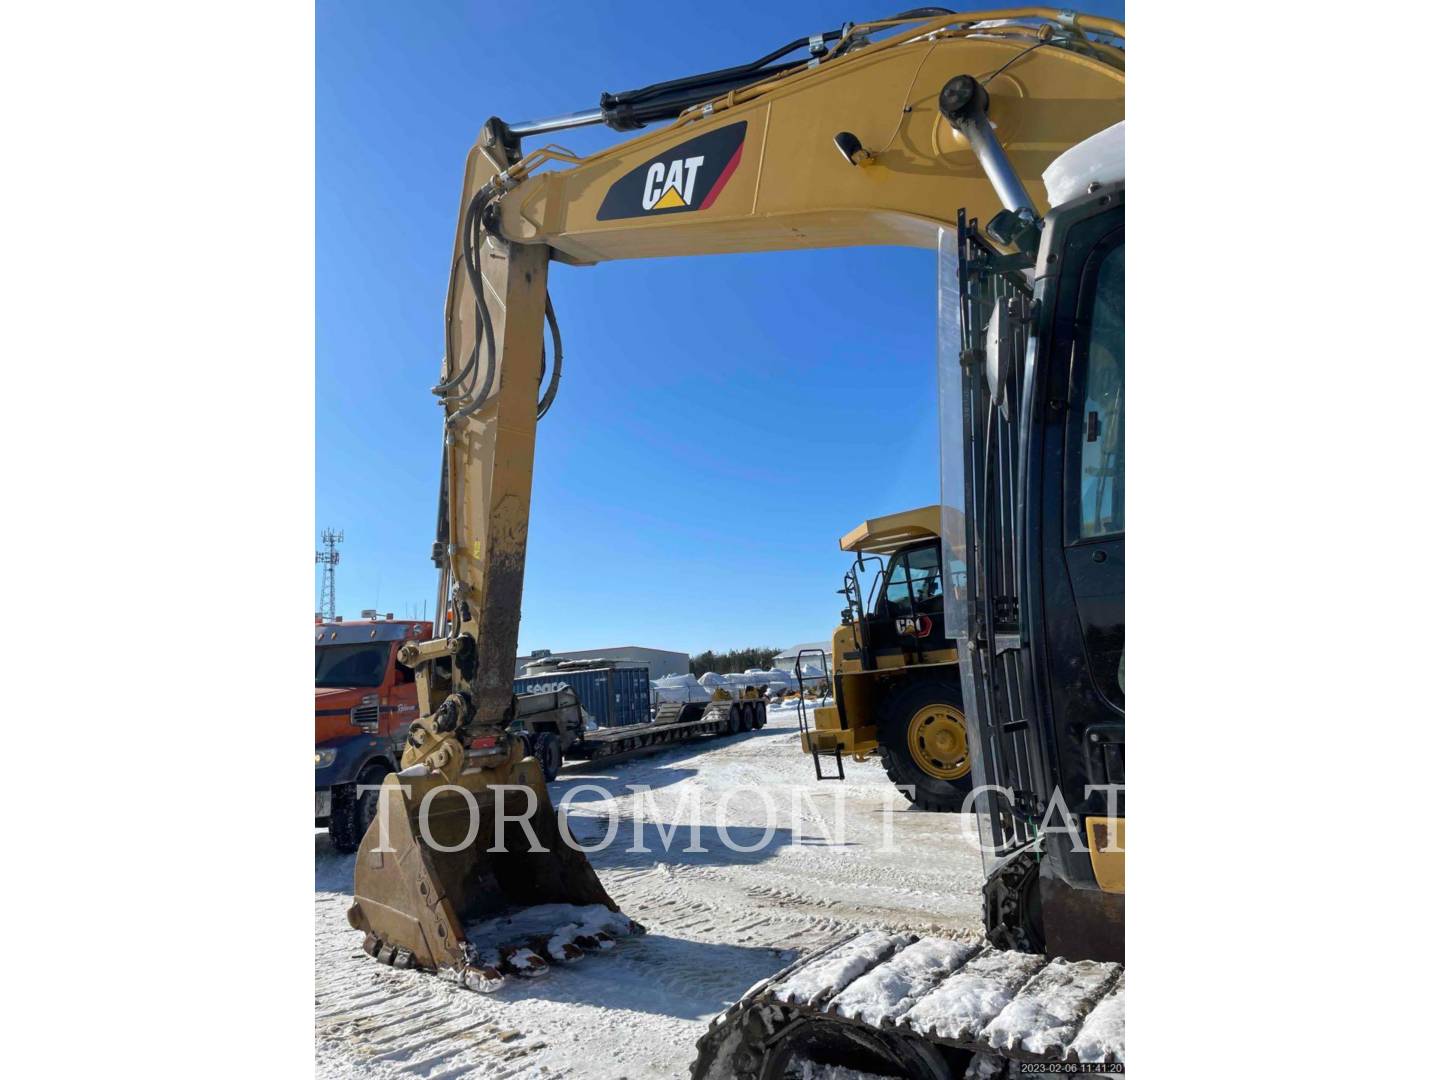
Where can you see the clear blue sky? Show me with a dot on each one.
(696, 471)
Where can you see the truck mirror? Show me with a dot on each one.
(999, 355)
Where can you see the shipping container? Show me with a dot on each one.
(612, 694)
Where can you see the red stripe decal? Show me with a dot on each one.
(730, 167)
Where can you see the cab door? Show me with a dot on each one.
(1080, 478)
(1095, 481)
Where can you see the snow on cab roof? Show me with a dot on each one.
(1100, 159)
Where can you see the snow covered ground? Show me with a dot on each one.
(718, 920)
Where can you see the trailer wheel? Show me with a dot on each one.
(352, 810)
(923, 745)
(549, 754)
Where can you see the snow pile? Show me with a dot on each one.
(812, 983)
(1099, 159)
(1045, 1016)
(893, 988)
(961, 1006)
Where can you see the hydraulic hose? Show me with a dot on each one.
(470, 247)
(548, 398)
(469, 235)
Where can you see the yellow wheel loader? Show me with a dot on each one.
(897, 675)
(905, 131)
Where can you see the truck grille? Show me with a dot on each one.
(366, 717)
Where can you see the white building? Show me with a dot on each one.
(661, 662)
(786, 660)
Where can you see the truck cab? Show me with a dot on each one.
(365, 701)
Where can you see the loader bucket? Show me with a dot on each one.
(467, 901)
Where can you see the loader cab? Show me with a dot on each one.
(908, 613)
(895, 590)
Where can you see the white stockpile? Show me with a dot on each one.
(688, 688)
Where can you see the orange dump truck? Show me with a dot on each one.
(364, 704)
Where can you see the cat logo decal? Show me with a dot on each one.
(684, 178)
(914, 625)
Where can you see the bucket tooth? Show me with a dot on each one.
(559, 949)
(523, 961)
(482, 978)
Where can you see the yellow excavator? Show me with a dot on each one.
(904, 131)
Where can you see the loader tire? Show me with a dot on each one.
(549, 754)
(923, 745)
(352, 810)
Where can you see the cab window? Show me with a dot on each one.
(357, 664)
(1101, 454)
(913, 581)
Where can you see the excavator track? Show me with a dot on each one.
(896, 1005)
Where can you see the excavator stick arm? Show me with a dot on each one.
(490, 456)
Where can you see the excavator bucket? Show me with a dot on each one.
(475, 879)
